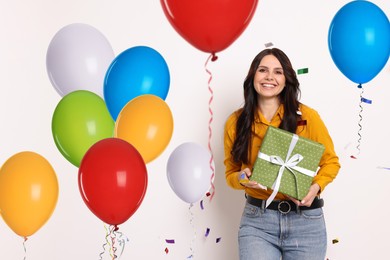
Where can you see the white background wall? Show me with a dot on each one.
(356, 207)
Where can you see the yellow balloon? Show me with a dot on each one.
(28, 192)
(146, 122)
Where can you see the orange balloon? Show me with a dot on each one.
(28, 192)
(146, 122)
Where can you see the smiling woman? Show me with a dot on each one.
(271, 91)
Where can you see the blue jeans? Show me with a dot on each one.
(270, 235)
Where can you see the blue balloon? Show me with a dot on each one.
(136, 71)
(359, 40)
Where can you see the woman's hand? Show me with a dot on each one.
(243, 178)
(308, 199)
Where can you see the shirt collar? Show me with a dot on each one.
(276, 119)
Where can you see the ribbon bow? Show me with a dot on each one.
(290, 163)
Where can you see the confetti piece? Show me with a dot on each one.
(208, 194)
(201, 204)
(218, 240)
(365, 100)
(207, 232)
(269, 44)
(353, 157)
(166, 250)
(170, 241)
(303, 71)
(384, 168)
(336, 240)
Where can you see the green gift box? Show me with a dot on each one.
(287, 163)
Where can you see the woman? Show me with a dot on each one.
(287, 229)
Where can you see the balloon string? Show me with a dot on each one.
(122, 239)
(212, 56)
(105, 244)
(24, 247)
(193, 228)
(359, 123)
(114, 228)
(111, 237)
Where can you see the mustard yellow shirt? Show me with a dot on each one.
(314, 129)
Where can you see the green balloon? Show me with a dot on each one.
(80, 119)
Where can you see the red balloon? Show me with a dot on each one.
(209, 25)
(112, 180)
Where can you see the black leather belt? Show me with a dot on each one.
(284, 206)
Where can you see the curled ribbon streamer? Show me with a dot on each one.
(290, 163)
(105, 244)
(113, 247)
(362, 99)
(122, 239)
(210, 130)
(193, 227)
(24, 247)
(111, 238)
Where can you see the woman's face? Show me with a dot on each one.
(269, 79)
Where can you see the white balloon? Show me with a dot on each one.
(78, 58)
(189, 172)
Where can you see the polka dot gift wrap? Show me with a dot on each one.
(292, 158)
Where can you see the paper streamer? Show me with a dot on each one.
(210, 130)
(268, 44)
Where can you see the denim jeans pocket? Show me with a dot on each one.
(313, 213)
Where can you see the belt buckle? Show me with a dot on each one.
(284, 207)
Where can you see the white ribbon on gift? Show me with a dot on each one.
(290, 163)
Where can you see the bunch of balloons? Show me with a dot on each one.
(112, 118)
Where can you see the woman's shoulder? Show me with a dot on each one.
(307, 111)
(232, 118)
